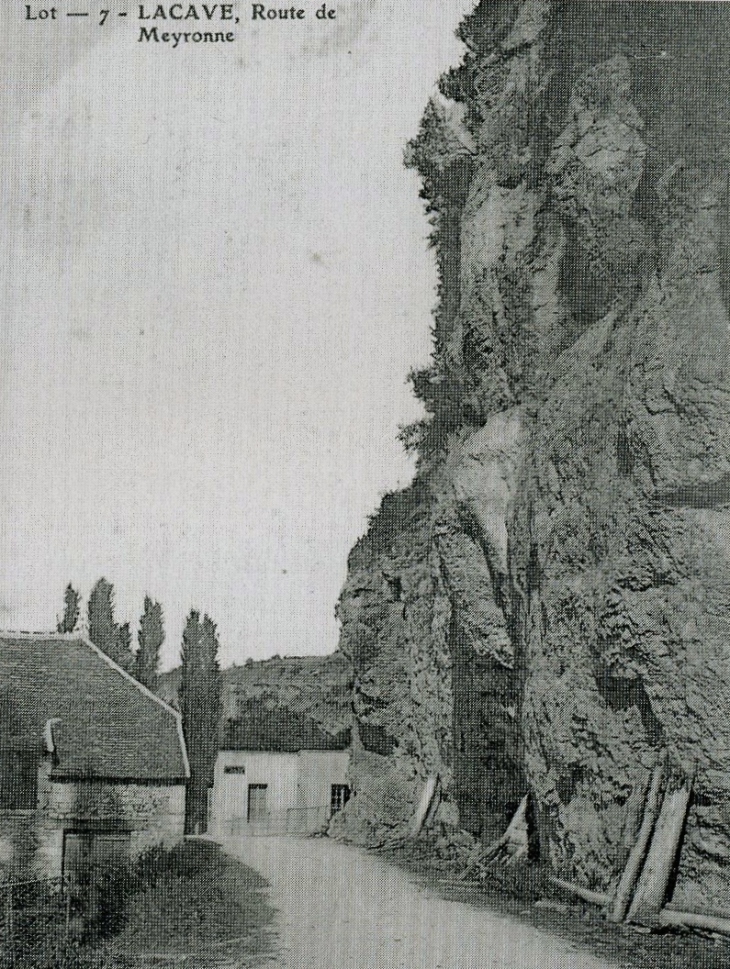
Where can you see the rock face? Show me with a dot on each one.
(423, 623)
(551, 598)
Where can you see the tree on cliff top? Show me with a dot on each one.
(442, 155)
(114, 640)
(150, 637)
(200, 699)
(71, 610)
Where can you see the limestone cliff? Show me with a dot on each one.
(552, 596)
(423, 621)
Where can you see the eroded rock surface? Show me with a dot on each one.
(552, 596)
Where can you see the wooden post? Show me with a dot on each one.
(427, 795)
(638, 852)
(433, 806)
(517, 828)
(67, 886)
(9, 926)
(665, 844)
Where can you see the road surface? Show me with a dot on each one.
(340, 908)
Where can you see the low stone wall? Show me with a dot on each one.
(33, 840)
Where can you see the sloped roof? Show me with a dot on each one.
(277, 729)
(107, 725)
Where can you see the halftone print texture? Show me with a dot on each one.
(365, 466)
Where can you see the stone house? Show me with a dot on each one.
(277, 772)
(92, 764)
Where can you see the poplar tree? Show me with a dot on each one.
(114, 640)
(123, 647)
(200, 707)
(150, 638)
(102, 629)
(71, 610)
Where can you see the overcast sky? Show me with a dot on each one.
(214, 280)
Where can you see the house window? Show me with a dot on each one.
(339, 796)
(257, 809)
(84, 851)
(18, 780)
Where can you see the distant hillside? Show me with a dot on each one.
(314, 688)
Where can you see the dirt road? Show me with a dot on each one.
(343, 909)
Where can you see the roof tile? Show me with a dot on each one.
(110, 725)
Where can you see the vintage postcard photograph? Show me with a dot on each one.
(365, 484)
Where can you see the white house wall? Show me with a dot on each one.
(280, 772)
(298, 790)
(319, 770)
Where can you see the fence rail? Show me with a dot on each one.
(297, 820)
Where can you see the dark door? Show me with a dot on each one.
(87, 851)
(257, 810)
(339, 796)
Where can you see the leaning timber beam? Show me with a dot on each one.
(638, 852)
(665, 844)
(693, 920)
(427, 796)
(483, 854)
(587, 894)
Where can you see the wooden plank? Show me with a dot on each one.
(638, 852)
(587, 894)
(517, 828)
(482, 854)
(654, 880)
(693, 920)
(427, 795)
(485, 853)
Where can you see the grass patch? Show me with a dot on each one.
(36, 937)
(192, 906)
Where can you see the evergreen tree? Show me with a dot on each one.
(200, 706)
(71, 611)
(210, 646)
(114, 640)
(102, 628)
(123, 647)
(150, 638)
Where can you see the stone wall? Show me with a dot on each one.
(33, 840)
(18, 841)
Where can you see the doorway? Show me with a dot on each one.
(257, 807)
(87, 851)
(339, 796)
